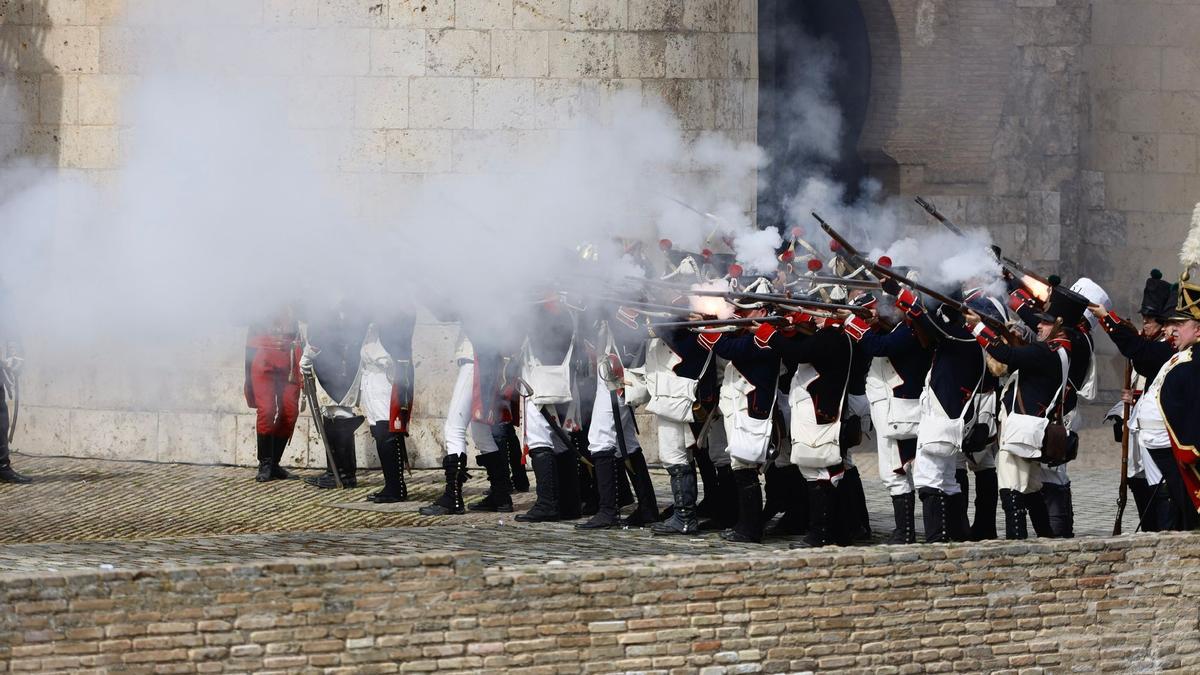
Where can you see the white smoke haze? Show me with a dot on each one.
(239, 190)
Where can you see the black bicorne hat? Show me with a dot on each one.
(1066, 305)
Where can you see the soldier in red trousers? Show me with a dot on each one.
(272, 388)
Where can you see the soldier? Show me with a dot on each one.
(747, 404)
(982, 442)
(821, 354)
(272, 388)
(333, 357)
(476, 408)
(386, 394)
(551, 412)
(11, 362)
(1177, 387)
(612, 432)
(1034, 395)
(900, 364)
(955, 376)
(1147, 351)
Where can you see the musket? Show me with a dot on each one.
(840, 281)
(719, 323)
(885, 271)
(1123, 490)
(310, 394)
(932, 210)
(784, 301)
(1015, 268)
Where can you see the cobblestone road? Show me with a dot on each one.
(82, 514)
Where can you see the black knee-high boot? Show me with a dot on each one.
(387, 446)
(454, 467)
(266, 454)
(749, 526)
(606, 516)
(822, 515)
(1059, 509)
(499, 496)
(1141, 499)
(545, 476)
(647, 502)
(707, 507)
(1013, 503)
(858, 520)
(959, 523)
(1039, 517)
(511, 446)
(987, 486)
(904, 512)
(683, 494)
(790, 491)
(569, 505)
(277, 471)
(934, 512)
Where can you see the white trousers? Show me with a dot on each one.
(674, 439)
(458, 417)
(602, 434)
(538, 432)
(897, 477)
(936, 470)
(1018, 473)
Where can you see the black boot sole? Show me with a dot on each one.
(526, 518)
(439, 510)
(738, 538)
(476, 508)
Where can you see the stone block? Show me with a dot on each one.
(58, 99)
(398, 52)
(99, 98)
(703, 15)
(712, 56)
(1177, 153)
(418, 150)
(338, 51)
(1181, 69)
(1120, 67)
(99, 12)
(197, 438)
(656, 15)
(65, 12)
(520, 53)
(91, 147)
(599, 14)
(641, 55)
(19, 99)
(559, 101)
(509, 103)
(483, 14)
(108, 434)
(1123, 22)
(381, 102)
(440, 103)
(682, 56)
(299, 13)
(42, 431)
(421, 13)
(541, 14)
(582, 54)
(324, 102)
(364, 13)
(458, 52)
(68, 49)
(1124, 152)
(362, 149)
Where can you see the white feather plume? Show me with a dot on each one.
(1189, 253)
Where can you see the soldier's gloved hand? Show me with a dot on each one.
(306, 359)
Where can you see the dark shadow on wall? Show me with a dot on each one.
(31, 88)
(881, 115)
(796, 39)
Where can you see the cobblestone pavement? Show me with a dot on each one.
(82, 514)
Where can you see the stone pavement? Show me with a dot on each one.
(82, 514)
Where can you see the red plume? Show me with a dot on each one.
(706, 254)
(665, 244)
(735, 271)
(787, 256)
(796, 232)
(834, 245)
(885, 261)
(814, 265)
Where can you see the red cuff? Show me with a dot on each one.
(708, 340)
(764, 334)
(1110, 322)
(985, 337)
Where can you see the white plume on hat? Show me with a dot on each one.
(1189, 253)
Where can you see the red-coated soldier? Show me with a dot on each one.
(272, 388)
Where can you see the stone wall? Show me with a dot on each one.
(418, 85)
(1119, 605)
